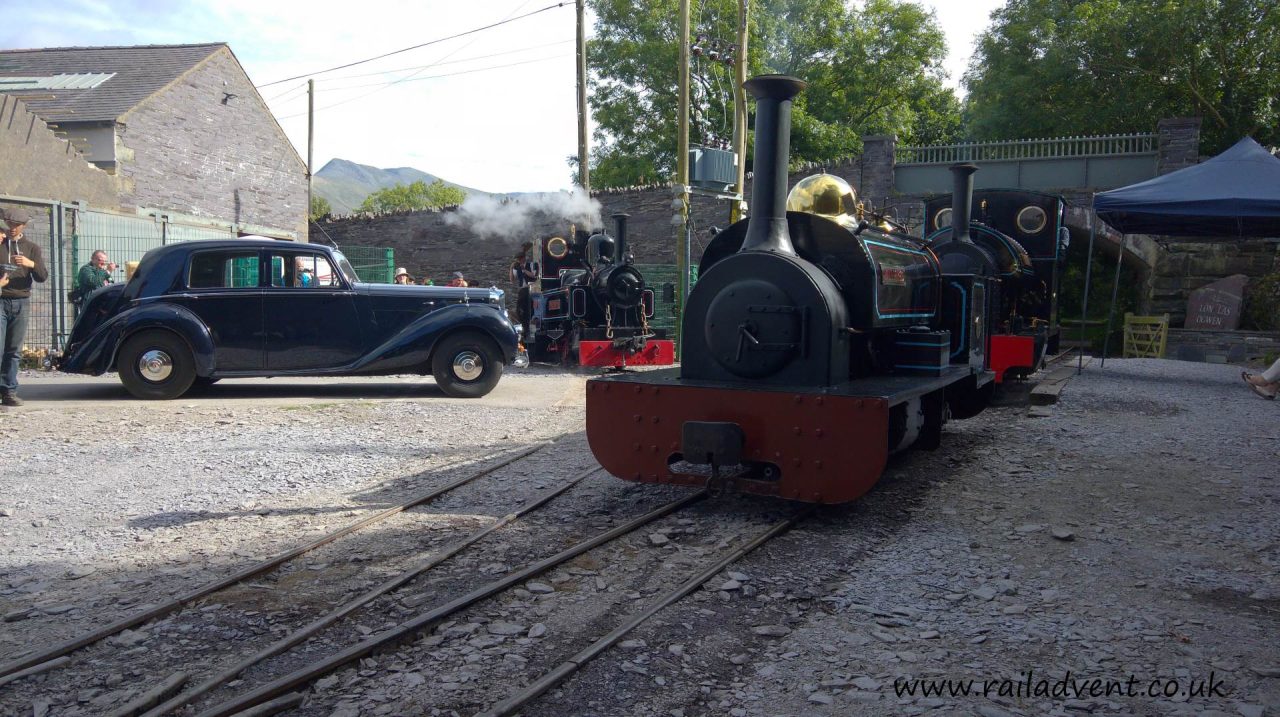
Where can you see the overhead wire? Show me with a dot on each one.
(418, 46)
(451, 62)
(413, 75)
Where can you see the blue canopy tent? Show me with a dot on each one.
(1235, 194)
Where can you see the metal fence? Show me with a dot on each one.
(1096, 146)
(659, 277)
(373, 264)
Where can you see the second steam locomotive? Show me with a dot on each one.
(816, 344)
(593, 307)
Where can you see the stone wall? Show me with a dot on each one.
(1178, 144)
(1222, 346)
(207, 146)
(35, 162)
(1185, 267)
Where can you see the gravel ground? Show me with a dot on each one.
(1129, 534)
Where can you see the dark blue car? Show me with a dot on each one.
(200, 311)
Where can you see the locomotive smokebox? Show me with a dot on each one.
(957, 253)
(767, 230)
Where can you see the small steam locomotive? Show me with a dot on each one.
(816, 343)
(593, 308)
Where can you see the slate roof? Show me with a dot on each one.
(140, 71)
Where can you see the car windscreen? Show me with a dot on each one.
(346, 268)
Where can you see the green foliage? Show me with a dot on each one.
(320, 207)
(872, 69)
(1071, 67)
(1101, 284)
(419, 195)
(1262, 304)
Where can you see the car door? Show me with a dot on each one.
(222, 289)
(309, 313)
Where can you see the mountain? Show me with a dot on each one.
(346, 184)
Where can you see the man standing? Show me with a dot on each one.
(524, 272)
(15, 298)
(93, 276)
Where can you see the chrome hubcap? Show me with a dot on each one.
(155, 365)
(468, 365)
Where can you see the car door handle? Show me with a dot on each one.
(189, 296)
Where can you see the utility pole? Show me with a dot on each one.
(682, 175)
(584, 170)
(311, 142)
(740, 113)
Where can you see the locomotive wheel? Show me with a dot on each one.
(466, 365)
(156, 365)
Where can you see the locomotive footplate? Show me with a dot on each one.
(816, 445)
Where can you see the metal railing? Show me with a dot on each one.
(1110, 145)
(373, 264)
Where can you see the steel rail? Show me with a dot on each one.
(342, 611)
(402, 631)
(267, 565)
(513, 704)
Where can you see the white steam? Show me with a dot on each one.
(517, 218)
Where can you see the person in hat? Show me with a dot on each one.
(524, 275)
(402, 276)
(15, 312)
(458, 280)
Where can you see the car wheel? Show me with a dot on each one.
(156, 365)
(466, 365)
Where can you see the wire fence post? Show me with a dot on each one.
(1088, 271)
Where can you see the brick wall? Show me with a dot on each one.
(34, 162)
(193, 150)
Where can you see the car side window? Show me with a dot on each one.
(223, 269)
(306, 271)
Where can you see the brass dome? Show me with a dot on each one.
(823, 194)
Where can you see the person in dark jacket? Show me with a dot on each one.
(15, 299)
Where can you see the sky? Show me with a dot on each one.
(494, 110)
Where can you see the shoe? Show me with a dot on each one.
(9, 398)
(1256, 389)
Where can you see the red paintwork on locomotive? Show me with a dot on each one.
(1011, 351)
(602, 353)
(828, 448)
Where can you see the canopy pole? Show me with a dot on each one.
(1115, 291)
(1084, 303)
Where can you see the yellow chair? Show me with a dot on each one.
(1145, 336)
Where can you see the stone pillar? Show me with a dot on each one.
(877, 168)
(1179, 144)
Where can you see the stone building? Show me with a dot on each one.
(180, 128)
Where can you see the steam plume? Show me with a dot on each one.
(516, 218)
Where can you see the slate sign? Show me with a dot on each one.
(1217, 306)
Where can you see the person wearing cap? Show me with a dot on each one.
(15, 297)
(458, 280)
(524, 275)
(402, 276)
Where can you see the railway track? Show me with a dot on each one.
(168, 696)
(50, 658)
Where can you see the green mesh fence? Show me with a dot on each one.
(373, 264)
(659, 277)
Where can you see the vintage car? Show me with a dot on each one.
(197, 312)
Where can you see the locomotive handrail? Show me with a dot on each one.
(1110, 145)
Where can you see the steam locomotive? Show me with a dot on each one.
(1025, 233)
(816, 343)
(593, 308)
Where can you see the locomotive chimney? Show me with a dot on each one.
(620, 237)
(962, 201)
(767, 226)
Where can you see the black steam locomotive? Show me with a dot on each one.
(593, 307)
(815, 342)
(1025, 234)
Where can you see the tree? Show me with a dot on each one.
(871, 69)
(1055, 67)
(419, 195)
(320, 207)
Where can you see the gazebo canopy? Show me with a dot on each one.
(1237, 193)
